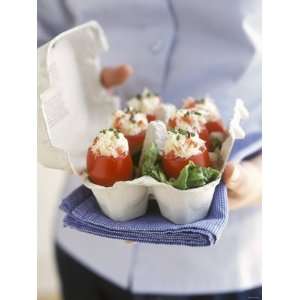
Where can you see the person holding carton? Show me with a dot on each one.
(176, 49)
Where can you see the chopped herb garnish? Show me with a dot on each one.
(200, 101)
(197, 113)
(116, 133)
(180, 131)
(184, 132)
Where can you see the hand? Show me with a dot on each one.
(111, 77)
(243, 183)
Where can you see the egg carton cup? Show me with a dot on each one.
(128, 200)
(73, 106)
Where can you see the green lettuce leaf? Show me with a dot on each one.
(191, 176)
(151, 164)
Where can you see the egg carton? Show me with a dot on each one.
(127, 200)
(73, 107)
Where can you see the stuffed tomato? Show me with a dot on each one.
(207, 108)
(181, 147)
(191, 121)
(133, 125)
(108, 158)
(147, 102)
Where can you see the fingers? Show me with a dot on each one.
(243, 183)
(233, 176)
(111, 77)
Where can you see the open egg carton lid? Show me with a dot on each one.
(72, 104)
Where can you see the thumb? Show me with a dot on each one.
(243, 183)
(111, 77)
(234, 177)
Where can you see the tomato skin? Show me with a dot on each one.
(135, 142)
(106, 170)
(151, 117)
(204, 135)
(173, 165)
(215, 126)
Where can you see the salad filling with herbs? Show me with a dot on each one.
(205, 106)
(130, 122)
(147, 102)
(133, 125)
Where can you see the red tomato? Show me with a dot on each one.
(151, 117)
(135, 142)
(213, 126)
(204, 135)
(106, 170)
(173, 165)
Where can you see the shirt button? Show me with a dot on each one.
(156, 47)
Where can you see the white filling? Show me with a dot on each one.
(146, 104)
(189, 120)
(130, 123)
(182, 145)
(206, 106)
(110, 143)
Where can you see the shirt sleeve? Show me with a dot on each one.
(53, 18)
(248, 147)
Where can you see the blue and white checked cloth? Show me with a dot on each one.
(84, 214)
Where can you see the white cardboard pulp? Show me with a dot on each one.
(73, 107)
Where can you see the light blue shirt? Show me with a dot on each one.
(178, 49)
